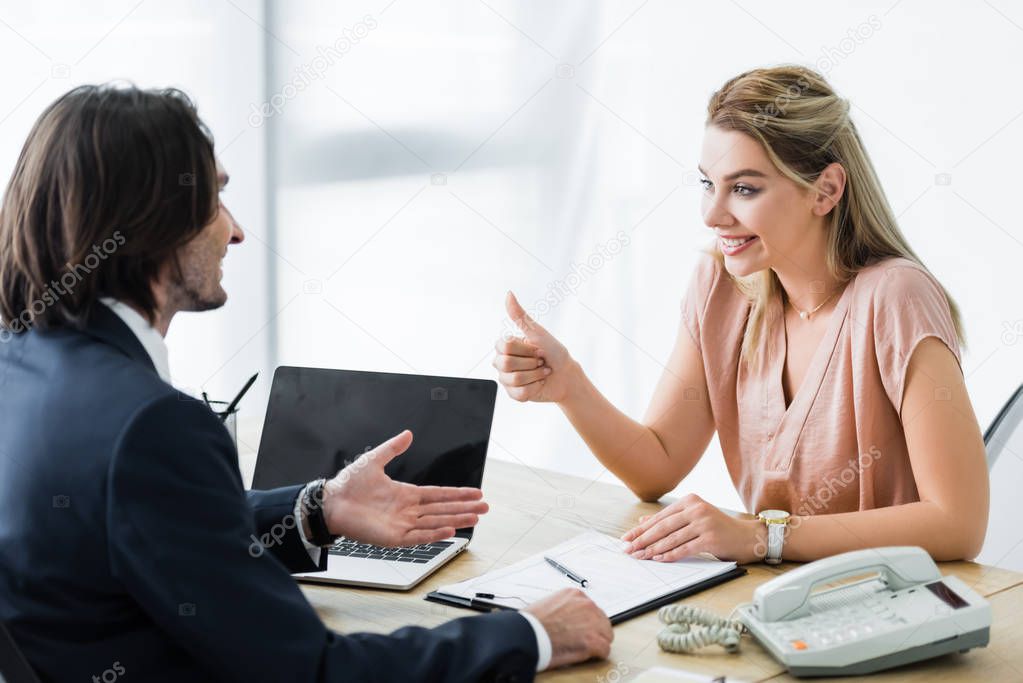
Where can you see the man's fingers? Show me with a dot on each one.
(424, 536)
(392, 448)
(607, 631)
(454, 508)
(445, 494)
(444, 521)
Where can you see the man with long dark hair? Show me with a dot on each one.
(125, 532)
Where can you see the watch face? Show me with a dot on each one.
(777, 516)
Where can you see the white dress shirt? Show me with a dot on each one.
(152, 341)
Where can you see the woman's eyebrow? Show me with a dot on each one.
(738, 174)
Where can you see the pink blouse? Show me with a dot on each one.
(840, 446)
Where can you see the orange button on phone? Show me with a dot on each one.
(799, 644)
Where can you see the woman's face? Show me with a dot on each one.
(761, 217)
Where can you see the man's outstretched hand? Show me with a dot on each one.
(364, 504)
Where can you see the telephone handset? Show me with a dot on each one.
(787, 597)
(905, 611)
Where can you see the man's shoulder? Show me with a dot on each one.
(117, 377)
(71, 376)
(128, 393)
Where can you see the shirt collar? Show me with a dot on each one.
(151, 340)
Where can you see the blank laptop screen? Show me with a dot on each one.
(318, 421)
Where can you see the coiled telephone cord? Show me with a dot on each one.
(690, 628)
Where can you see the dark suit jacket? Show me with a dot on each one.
(126, 540)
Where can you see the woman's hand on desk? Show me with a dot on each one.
(364, 504)
(536, 366)
(691, 526)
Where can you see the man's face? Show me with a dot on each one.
(201, 260)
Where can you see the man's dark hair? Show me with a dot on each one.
(111, 182)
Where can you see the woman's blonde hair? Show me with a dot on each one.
(804, 126)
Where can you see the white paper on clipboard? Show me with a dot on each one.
(615, 581)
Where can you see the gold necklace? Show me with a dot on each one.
(805, 315)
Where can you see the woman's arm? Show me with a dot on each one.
(650, 457)
(946, 452)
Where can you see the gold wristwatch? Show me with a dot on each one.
(776, 521)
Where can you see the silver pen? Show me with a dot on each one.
(567, 572)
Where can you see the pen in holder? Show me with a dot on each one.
(228, 412)
(230, 419)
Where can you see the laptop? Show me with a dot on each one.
(320, 420)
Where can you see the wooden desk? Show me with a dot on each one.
(532, 509)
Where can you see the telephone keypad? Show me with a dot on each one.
(838, 626)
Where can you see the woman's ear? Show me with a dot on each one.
(829, 188)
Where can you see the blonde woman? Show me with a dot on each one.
(812, 340)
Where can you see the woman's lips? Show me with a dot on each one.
(732, 246)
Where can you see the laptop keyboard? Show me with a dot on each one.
(416, 554)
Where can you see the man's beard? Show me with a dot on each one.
(195, 301)
(188, 292)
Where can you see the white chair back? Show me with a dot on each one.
(1003, 442)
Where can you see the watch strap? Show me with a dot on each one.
(775, 542)
(312, 504)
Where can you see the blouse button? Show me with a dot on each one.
(770, 435)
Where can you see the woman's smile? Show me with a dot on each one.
(730, 246)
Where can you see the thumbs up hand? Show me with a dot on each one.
(535, 366)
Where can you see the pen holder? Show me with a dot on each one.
(231, 423)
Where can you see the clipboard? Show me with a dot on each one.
(479, 605)
(622, 587)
